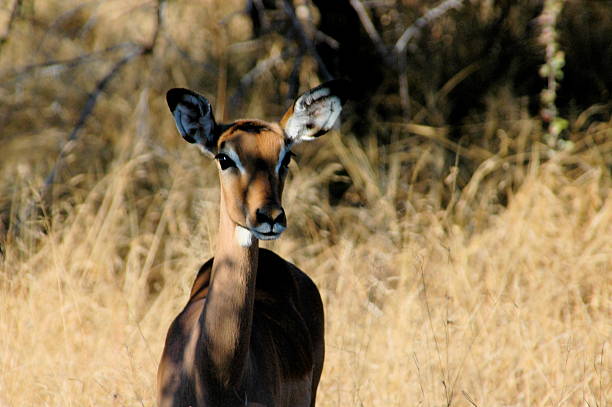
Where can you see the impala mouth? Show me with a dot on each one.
(265, 231)
(265, 236)
(244, 236)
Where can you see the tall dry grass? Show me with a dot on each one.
(441, 286)
(419, 310)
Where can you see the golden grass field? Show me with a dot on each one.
(435, 294)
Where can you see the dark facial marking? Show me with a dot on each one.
(250, 127)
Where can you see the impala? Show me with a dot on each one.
(251, 333)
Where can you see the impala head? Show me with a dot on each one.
(253, 155)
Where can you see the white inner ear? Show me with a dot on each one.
(335, 107)
(309, 98)
(313, 116)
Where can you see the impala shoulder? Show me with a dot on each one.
(274, 270)
(202, 281)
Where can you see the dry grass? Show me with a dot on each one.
(516, 313)
(434, 294)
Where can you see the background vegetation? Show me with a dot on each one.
(458, 224)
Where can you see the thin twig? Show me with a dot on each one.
(468, 398)
(263, 66)
(438, 134)
(159, 14)
(400, 48)
(396, 57)
(54, 29)
(93, 96)
(46, 191)
(320, 36)
(90, 103)
(205, 64)
(71, 62)
(294, 80)
(431, 15)
(369, 28)
(85, 113)
(431, 326)
(305, 41)
(404, 91)
(9, 26)
(379, 3)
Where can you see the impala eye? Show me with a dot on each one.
(225, 162)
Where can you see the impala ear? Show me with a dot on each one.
(315, 112)
(194, 118)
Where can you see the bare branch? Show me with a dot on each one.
(378, 3)
(71, 62)
(54, 27)
(90, 103)
(305, 42)
(100, 86)
(404, 91)
(396, 58)
(208, 66)
(262, 66)
(368, 26)
(88, 109)
(320, 36)
(159, 14)
(47, 188)
(431, 15)
(11, 20)
(294, 81)
(255, 9)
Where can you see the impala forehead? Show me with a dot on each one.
(254, 142)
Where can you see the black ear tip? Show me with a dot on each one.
(179, 95)
(173, 97)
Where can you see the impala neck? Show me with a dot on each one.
(228, 313)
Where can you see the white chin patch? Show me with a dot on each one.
(244, 237)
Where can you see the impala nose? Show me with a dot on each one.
(272, 215)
